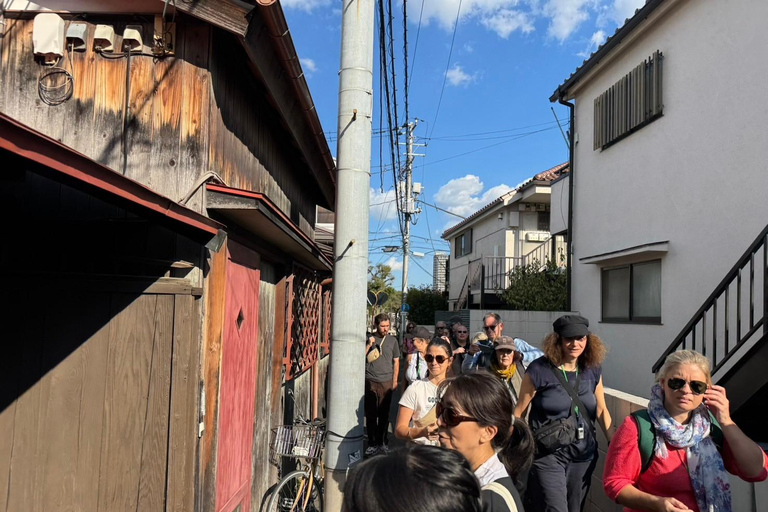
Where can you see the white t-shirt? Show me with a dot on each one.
(490, 471)
(420, 397)
(417, 368)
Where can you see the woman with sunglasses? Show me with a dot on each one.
(566, 441)
(460, 347)
(696, 442)
(416, 418)
(475, 419)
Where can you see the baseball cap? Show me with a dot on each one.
(505, 343)
(421, 332)
(571, 326)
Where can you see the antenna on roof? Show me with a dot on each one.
(561, 128)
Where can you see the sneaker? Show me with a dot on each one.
(384, 449)
(371, 450)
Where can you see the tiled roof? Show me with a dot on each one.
(621, 32)
(545, 176)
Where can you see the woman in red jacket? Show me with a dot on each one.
(687, 472)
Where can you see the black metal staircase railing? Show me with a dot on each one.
(711, 330)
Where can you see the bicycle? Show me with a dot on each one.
(300, 490)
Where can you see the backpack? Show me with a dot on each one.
(502, 491)
(646, 436)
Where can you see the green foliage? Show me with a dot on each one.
(537, 287)
(380, 279)
(424, 301)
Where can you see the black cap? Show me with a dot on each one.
(421, 332)
(571, 326)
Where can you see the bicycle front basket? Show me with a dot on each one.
(305, 441)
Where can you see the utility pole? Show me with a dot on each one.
(407, 212)
(344, 441)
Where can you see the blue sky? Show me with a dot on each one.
(494, 128)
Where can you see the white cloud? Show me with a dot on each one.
(506, 21)
(497, 15)
(458, 77)
(464, 196)
(305, 5)
(395, 264)
(618, 11)
(308, 65)
(595, 41)
(566, 15)
(382, 206)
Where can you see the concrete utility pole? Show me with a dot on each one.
(344, 445)
(408, 210)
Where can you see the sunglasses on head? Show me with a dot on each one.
(440, 359)
(449, 415)
(697, 387)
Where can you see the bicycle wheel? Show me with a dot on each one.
(291, 490)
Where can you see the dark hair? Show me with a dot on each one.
(486, 398)
(440, 342)
(592, 357)
(380, 318)
(418, 478)
(410, 326)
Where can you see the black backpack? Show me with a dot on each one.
(646, 436)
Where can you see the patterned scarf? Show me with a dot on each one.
(705, 465)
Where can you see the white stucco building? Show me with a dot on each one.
(439, 270)
(508, 231)
(669, 192)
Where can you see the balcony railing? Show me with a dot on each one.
(497, 268)
(733, 314)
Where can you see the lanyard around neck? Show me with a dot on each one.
(562, 368)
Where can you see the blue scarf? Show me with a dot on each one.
(705, 465)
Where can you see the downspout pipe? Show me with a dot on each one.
(569, 252)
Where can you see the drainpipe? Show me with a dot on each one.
(569, 252)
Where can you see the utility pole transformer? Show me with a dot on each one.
(344, 445)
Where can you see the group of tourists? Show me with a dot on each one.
(495, 424)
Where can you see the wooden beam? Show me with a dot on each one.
(230, 15)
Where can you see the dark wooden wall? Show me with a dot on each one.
(200, 110)
(98, 382)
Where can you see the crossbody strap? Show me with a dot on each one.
(574, 396)
(502, 491)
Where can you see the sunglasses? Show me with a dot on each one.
(462, 332)
(490, 327)
(449, 415)
(697, 387)
(440, 359)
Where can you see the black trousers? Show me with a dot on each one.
(378, 398)
(557, 484)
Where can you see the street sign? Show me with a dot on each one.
(381, 299)
(371, 298)
(406, 308)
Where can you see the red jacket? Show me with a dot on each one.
(667, 478)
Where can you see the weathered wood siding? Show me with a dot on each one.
(200, 110)
(98, 384)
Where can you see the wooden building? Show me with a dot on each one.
(169, 304)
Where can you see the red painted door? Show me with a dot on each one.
(238, 388)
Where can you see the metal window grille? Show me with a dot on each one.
(630, 103)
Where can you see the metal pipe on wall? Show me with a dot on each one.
(344, 445)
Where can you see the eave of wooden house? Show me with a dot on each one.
(259, 216)
(64, 164)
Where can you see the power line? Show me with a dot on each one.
(441, 209)
(447, 66)
(405, 58)
(415, 47)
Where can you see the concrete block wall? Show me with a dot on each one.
(746, 497)
(532, 326)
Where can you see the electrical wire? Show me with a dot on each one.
(405, 60)
(415, 47)
(55, 85)
(447, 67)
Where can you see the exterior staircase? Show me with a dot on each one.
(731, 330)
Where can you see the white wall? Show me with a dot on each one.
(695, 177)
